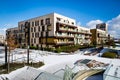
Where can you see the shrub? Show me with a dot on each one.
(109, 55)
(33, 47)
(49, 49)
(58, 50)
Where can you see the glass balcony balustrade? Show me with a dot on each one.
(65, 35)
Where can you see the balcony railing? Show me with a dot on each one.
(64, 42)
(65, 35)
(67, 24)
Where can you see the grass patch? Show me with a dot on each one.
(71, 48)
(109, 55)
(14, 66)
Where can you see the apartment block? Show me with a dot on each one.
(99, 36)
(52, 30)
(1, 39)
(83, 35)
(102, 26)
(13, 32)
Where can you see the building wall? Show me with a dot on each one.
(2, 39)
(13, 32)
(61, 30)
(98, 36)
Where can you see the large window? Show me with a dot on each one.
(58, 19)
(32, 34)
(31, 29)
(43, 28)
(34, 40)
(32, 24)
(36, 23)
(47, 21)
(31, 40)
(38, 28)
(36, 34)
(34, 29)
(39, 40)
(42, 22)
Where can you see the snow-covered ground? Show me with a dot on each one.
(53, 61)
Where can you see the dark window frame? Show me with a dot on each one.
(47, 21)
(42, 22)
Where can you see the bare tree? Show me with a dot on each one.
(11, 44)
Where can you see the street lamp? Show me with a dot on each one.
(5, 54)
(28, 54)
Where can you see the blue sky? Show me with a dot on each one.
(84, 11)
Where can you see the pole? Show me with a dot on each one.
(28, 55)
(6, 55)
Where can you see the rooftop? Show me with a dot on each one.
(112, 72)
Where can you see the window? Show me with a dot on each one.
(36, 23)
(58, 19)
(32, 34)
(34, 29)
(41, 34)
(39, 40)
(31, 29)
(46, 34)
(43, 28)
(38, 28)
(36, 34)
(32, 24)
(34, 40)
(48, 21)
(42, 22)
(73, 23)
(98, 34)
(31, 40)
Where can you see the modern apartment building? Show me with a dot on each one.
(102, 26)
(13, 32)
(52, 30)
(83, 35)
(99, 36)
(1, 39)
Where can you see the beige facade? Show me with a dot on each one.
(99, 36)
(52, 30)
(1, 39)
(13, 32)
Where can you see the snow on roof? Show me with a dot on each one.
(25, 73)
(30, 73)
(112, 72)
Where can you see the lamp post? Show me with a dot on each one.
(28, 54)
(5, 54)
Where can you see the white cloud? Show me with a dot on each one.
(114, 26)
(92, 24)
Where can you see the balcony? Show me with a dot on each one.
(61, 29)
(65, 36)
(64, 42)
(87, 37)
(66, 24)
